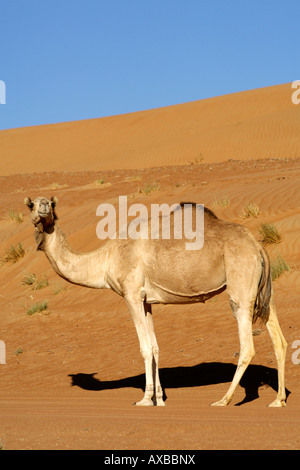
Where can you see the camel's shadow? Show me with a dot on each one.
(193, 376)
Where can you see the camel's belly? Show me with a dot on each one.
(154, 294)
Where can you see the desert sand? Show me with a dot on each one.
(74, 370)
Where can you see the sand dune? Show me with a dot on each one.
(73, 370)
(255, 124)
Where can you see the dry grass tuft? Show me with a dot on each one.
(150, 188)
(31, 279)
(278, 267)
(13, 254)
(251, 210)
(269, 234)
(220, 201)
(15, 216)
(38, 307)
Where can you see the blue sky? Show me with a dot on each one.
(78, 59)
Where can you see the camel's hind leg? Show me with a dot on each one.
(247, 352)
(280, 346)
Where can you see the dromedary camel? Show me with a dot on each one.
(146, 272)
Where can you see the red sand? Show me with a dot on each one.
(74, 370)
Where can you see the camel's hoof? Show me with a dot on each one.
(144, 402)
(160, 402)
(219, 403)
(277, 403)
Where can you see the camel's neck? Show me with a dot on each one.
(85, 269)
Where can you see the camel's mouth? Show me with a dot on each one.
(45, 215)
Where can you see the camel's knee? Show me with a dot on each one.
(149, 351)
(155, 351)
(246, 357)
(146, 352)
(247, 352)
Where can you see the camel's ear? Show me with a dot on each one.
(28, 202)
(54, 201)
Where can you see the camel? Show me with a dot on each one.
(147, 272)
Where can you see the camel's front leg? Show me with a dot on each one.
(158, 389)
(138, 313)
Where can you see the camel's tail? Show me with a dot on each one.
(264, 291)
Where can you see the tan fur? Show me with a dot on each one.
(146, 272)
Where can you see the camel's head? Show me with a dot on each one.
(42, 211)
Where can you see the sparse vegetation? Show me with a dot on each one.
(251, 210)
(150, 188)
(269, 234)
(100, 181)
(220, 201)
(37, 307)
(197, 160)
(41, 283)
(278, 267)
(58, 289)
(133, 178)
(13, 254)
(58, 186)
(31, 279)
(16, 216)
(19, 351)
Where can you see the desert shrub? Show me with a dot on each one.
(13, 254)
(269, 234)
(220, 201)
(31, 279)
(16, 216)
(150, 188)
(100, 181)
(278, 267)
(41, 283)
(37, 307)
(251, 210)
